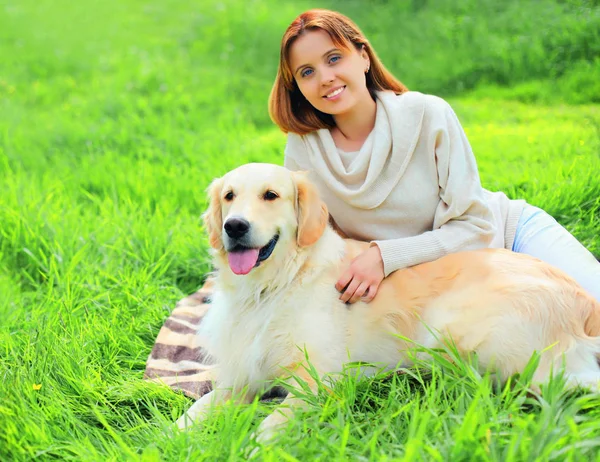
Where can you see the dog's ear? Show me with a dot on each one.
(311, 211)
(213, 220)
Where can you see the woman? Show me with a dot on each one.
(395, 167)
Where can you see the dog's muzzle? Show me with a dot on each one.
(242, 254)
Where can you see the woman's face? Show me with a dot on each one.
(331, 79)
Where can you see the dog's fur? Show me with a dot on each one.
(501, 305)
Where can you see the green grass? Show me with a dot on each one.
(114, 117)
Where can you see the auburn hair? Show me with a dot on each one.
(287, 106)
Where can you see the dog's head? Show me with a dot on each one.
(258, 212)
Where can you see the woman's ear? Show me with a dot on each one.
(213, 220)
(365, 56)
(311, 211)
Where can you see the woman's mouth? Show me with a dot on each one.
(335, 93)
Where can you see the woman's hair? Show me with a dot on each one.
(287, 106)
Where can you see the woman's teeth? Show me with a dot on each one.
(335, 93)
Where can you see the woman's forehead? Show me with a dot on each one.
(309, 45)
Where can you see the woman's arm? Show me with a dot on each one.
(463, 219)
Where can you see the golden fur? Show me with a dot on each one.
(502, 305)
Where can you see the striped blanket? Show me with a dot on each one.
(178, 357)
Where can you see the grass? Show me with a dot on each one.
(114, 116)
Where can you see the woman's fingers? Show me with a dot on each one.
(370, 295)
(344, 280)
(349, 292)
(360, 292)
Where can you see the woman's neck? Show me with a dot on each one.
(352, 129)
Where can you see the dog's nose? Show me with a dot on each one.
(236, 227)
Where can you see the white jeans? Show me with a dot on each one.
(541, 236)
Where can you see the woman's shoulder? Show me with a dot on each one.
(420, 107)
(428, 102)
(414, 104)
(295, 149)
(294, 142)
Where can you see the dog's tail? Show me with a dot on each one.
(589, 307)
(583, 357)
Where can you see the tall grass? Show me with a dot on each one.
(449, 47)
(114, 117)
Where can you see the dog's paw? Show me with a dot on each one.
(251, 453)
(261, 437)
(268, 429)
(184, 422)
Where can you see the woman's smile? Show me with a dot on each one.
(335, 93)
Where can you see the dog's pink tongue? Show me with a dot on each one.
(242, 262)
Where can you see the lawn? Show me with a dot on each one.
(115, 116)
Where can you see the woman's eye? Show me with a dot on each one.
(270, 196)
(334, 59)
(229, 196)
(306, 72)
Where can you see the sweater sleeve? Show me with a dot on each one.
(463, 220)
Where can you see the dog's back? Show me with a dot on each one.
(501, 305)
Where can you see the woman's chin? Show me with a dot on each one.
(337, 107)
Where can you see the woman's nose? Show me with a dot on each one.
(327, 76)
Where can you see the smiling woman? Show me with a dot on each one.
(394, 166)
(333, 80)
(325, 54)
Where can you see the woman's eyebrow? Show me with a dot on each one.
(324, 54)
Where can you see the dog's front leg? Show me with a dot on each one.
(268, 428)
(199, 410)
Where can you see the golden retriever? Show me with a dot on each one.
(275, 302)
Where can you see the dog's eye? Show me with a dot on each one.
(229, 196)
(270, 196)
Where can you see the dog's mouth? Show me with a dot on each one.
(243, 259)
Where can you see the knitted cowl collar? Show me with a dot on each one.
(381, 161)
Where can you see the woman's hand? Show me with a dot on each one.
(362, 277)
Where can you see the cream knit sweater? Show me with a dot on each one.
(413, 189)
